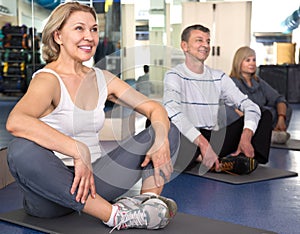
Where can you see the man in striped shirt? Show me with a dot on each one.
(195, 95)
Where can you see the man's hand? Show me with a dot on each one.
(209, 157)
(245, 145)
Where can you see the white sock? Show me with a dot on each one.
(150, 193)
(111, 221)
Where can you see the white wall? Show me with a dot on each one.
(267, 15)
(11, 5)
(25, 15)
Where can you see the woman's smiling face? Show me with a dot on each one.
(78, 37)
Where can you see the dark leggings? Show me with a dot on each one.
(226, 140)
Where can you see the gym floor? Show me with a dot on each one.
(272, 205)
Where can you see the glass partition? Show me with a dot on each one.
(22, 22)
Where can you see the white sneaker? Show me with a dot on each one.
(280, 137)
(152, 213)
(171, 204)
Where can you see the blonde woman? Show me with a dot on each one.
(243, 74)
(56, 157)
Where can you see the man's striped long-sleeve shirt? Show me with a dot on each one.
(194, 100)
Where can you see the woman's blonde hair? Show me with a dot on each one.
(240, 55)
(57, 19)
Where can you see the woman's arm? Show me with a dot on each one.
(121, 93)
(41, 98)
(272, 95)
(278, 102)
(281, 116)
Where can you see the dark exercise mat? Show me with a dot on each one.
(291, 144)
(75, 223)
(261, 173)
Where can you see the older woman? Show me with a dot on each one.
(243, 73)
(56, 156)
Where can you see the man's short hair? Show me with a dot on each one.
(185, 35)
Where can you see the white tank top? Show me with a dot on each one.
(82, 125)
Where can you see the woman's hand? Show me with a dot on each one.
(281, 117)
(84, 179)
(280, 126)
(159, 154)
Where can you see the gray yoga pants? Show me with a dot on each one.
(46, 181)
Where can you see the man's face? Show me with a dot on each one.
(198, 45)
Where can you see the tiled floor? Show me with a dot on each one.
(271, 205)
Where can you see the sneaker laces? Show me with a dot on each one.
(133, 218)
(127, 198)
(226, 167)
